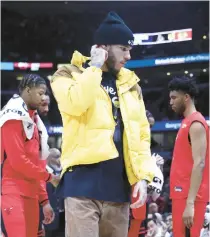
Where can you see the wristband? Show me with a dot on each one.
(49, 178)
(44, 202)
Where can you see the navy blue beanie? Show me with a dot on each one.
(113, 30)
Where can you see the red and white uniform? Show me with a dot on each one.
(22, 180)
(180, 175)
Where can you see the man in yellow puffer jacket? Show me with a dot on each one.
(106, 135)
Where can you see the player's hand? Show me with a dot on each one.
(49, 214)
(188, 215)
(140, 190)
(98, 55)
(55, 180)
(53, 155)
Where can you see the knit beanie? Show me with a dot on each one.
(112, 31)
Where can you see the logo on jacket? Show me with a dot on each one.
(8, 210)
(184, 125)
(29, 126)
(16, 111)
(157, 180)
(178, 189)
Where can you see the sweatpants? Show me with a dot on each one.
(20, 215)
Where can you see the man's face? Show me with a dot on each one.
(118, 55)
(44, 106)
(153, 208)
(36, 96)
(178, 101)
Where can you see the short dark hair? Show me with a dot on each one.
(30, 80)
(185, 85)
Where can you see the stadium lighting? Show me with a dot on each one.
(186, 72)
(204, 70)
(191, 75)
(168, 73)
(204, 37)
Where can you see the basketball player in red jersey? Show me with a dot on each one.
(189, 178)
(21, 173)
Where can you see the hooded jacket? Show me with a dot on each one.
(88, 123)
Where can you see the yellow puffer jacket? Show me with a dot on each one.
(88, 124)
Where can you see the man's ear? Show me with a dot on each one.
(28, 89)
(108, 47)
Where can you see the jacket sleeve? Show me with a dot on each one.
(43, 196)
(14, 147)
(76, 92)
(147, 164)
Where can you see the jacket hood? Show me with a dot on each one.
(124, 76)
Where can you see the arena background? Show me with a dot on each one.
(172, 39)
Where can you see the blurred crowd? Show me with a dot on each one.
(161, 224)
(55, 37)
(44, 37)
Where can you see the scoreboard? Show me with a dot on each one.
(163, 37)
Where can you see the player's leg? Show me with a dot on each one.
(200, 208)
(134, 228)
(114, 219)
(138, 216)
(82, 217)
(178, 207)
(13, 215)
(179, 229)
(31, 207)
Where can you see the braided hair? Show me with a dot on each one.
(30, 80)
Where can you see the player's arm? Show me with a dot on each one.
(48, 212)
(199, 145)
(43, 196)
(14, 147)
